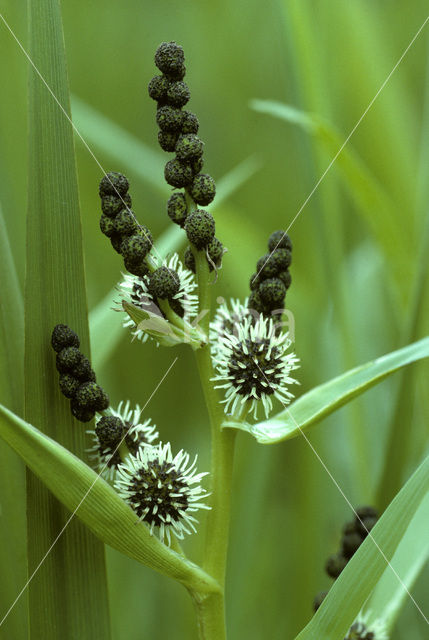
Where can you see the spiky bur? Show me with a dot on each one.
(77, 379)
(253, 366)
(163, 490)
(142, 292)
(117, 435)
(178, 129)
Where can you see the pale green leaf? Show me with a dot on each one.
(323, 400)
(96, 503)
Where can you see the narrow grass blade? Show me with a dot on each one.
(80, 489)
(350, 591)
(68, 595)
(13, 560)
(323, 400)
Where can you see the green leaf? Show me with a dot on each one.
(323, 400)
(71, 582)
(356, 582)
(80, 489)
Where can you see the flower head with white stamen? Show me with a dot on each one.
(253, 365)
(163, 490)
(228, 317)
(118, 434)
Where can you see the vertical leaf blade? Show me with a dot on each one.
(68, 595)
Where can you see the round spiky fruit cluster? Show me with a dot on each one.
(77, 379)
(272, 278)
(118, 222)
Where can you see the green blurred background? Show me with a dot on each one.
(353, 283)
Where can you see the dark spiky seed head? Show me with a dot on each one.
(335, 565)
(189, 260)
(68, 385)
(111, 205)
(169, 119)
(203, 189)
(200, 228)
(136, 268)
(114, 183)
(272, 292)
(126, 223)
(271, 264)
(169, 58)
(80, 413)
(254, 282)
(84, 372)
(177, 174)
(255, 302)
(197, 165)
(190, 123)
(350, 544)
(163, 283)
(177, 208)
(67, 359)
(189, 147)
(319, 599)
(63, 336)
(167, 140)
(279, 240)
(135, 248)
(177, 94)
(157, 88)
(215, 250)
(110, 430)
(116, 241)
(91, 396)
(107, 225)
(286, 278)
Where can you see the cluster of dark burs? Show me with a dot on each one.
(354, 533)
(178, 134)
(272, 278)
(77, 378)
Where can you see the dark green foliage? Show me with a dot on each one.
(164, 283)
(169, 119)
(177, 173)
(116, 241)
(255, 302)
(279, 240)
(177, 94)
(170, 58)
(200, 228)
(157, 88)
(203, 189)
(63, 336)
(107, 226)
(84, 371)
(136, 268)
(335, 565)
(113, 183)
(110, 431)
(80, 413)
(67, 359)
(111, 205)
(90, 395)
(272, 292)
(190, 123)
(167, 140)
(126, 223)
(68, 385)
(177, 208)
(189, 147)
(286, 278)
(135, 248)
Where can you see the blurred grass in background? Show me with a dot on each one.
(329, 58)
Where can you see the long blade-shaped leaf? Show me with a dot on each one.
(96, 503)
(358, 579)
(68, 595)
(318, 403)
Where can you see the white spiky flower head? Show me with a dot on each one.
(163, 490)
(117, 434)
(253, 365)
(363, 629)
(134, 289)
(226, 320)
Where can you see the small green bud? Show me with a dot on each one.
(107, 226)
(80, 413)
(255, 303)
(189, 147)
(215, 250)
(335, 565)
(167, 140)
(157, 88)
(178, 94)
(67, 359)
(197, 165)
(114, 183)
(285, 277)
(200, 228)
(91, 396)
(116, 241)
(177, 173)
(126, 223)
(319, 599)
(112, 205)
(273, 263)
(63, 336)
(139, 269)
(190, 123)
(190, 260)
(177, 208)
(135, 248)
(169, 58)
(110, 430)
(84, 372)
(68, 385)
(203, 189)
(350, 544)
(279, 240)
(163, 283)
(169, 119)
(272, 292)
